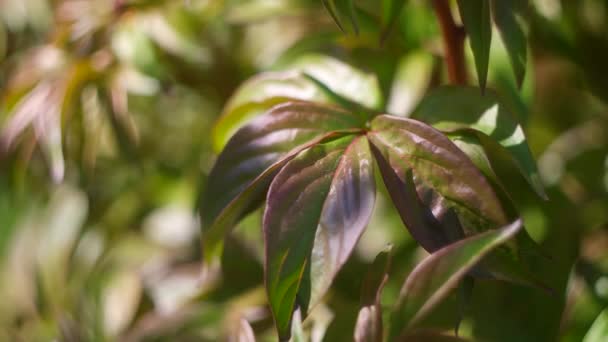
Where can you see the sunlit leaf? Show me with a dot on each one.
(599, 329)
(512, 35)
(478, 24)
(342, 79)
(316, 78)
(239, 179)
(317, 208)
(433, 279)
(450, 109)
(410, 144)
(369, 321)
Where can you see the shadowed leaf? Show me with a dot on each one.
(512, 35)
(369, 321)
(393, 13)
(478, 24)
(451, 109)
(239, 179)
(317, 208)
(433, 279)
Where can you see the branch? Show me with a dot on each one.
(453, 39)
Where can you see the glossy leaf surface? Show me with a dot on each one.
(316, 78)
(433, 279)
(477, 21)
(451, 109)
(317, 208)
(410, 144)
(243, 172)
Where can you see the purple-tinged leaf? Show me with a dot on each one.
(422, 224)
(451, 109)
(436, 162)
(242, 174)
(317, 78)
(433, 279)
(369, 327)
(316, 210)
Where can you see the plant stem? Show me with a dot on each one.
(453, 39)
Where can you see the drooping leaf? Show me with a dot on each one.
(433, 279)
(425, 227)
(478, 24)
(316, 78)
(369, 321)
(451, 109)
(411, 144)
(512, 34)
(317, 208)
(243, 172)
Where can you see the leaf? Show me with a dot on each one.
(314, 78)
(342, 79)
(411, 144)
(239, 179)
(369, 321)
(433, 279)
(317, 208)
(599, 329)
(427, 229)
(394, 12)
(451, 109)
(512, 35)
(330, 5)
(478, 24)
(259, 94)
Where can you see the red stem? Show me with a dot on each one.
(453, 39)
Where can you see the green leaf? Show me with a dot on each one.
(478, 24)
(369, 321)
(330, 5)
(512, 35)
(451, 109)
(239, 179)
(259, 94)
(393, 12)
(342, 79)
(411, 144)
(433, 279)
(313, 77)
(599, 329)
(317, 208)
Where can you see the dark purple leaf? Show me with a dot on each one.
(317, 208)
(242, 174)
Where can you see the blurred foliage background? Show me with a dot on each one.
(106, 113)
